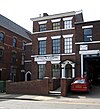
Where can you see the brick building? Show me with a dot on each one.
(87, 41)
(12, 44)
(53, 47)
(28, 61)
(63, 47)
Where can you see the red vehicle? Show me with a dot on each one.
(80, 85)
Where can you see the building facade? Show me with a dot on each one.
(87, 42)
(12, 45)
(53, 45)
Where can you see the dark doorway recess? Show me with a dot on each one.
(92, 68)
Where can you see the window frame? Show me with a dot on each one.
(14, 42)
(67, 24)
(56, 25)
(42, 47)
(42, 69)
(68, 45)
(56, 46)
(42, 27)
(2, 37)
(87, 36)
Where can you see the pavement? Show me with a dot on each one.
(26, 97)
(92, 97)
(54, 98)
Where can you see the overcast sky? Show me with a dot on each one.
(20, 11)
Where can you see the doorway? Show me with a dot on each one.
(28, 76)
(68, 71)
(92, 67)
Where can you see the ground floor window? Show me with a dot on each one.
(41, 71)
(56, 70)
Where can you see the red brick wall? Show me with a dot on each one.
(37, 34)
(29, 87)
(6, 65)
(65, 86)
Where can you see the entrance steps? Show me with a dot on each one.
(56, 92)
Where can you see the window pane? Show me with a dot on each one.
(42, 47)
(56, 25)
(88, 34)
(43, 27)
(1, 37)
(56, 46)
(14, 42)
(68, 45)
(67, 24)
(41, 71)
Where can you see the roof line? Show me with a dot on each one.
(55, 15)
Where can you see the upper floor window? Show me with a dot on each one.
(87, 34)
(56, 46)
(1, 37)
(56, 25)
(42, 47)
(42, 27)
(68, 45)
(1, 55)
(67, 22)
(14, 43)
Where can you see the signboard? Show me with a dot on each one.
(47, 58)
(83, 47)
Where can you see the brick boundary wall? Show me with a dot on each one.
(30, 87)
(65, 86)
